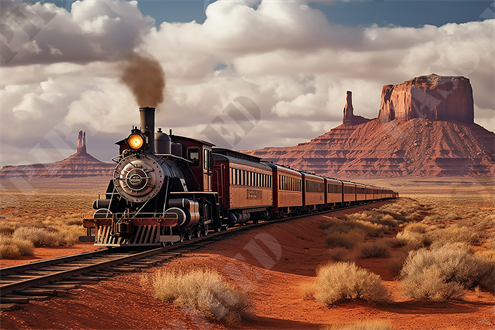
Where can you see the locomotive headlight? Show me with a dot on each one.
(135, 141)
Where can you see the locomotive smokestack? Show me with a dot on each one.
(147, 116)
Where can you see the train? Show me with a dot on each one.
(168, 188)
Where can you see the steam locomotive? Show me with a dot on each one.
(167, 188)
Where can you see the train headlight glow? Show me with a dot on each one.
(135, 141)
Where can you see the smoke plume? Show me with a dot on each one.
(144, 75)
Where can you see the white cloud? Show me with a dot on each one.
(102, 30)
(285, 56)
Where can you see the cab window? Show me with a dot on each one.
(193, 155)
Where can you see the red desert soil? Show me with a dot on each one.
(43, 253)
(271, 276)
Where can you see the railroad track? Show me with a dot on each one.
(44, 279)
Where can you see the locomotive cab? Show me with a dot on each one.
(199, 154)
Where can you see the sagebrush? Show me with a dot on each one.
(345, 280)
(361, 325)
(443, 272)
(13, 248)
(205, 291)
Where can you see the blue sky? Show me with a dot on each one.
(348, 13)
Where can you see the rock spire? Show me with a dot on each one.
(81, 143)
(349, 118)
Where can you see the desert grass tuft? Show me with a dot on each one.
(374, 250)
(204, 291)
(361, 325)
(345, 280)
(307, 290)
(13, 248)
(347, 240)
(340, 254)
(37, 236)
(443, 272)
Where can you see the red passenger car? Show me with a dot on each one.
(333, 189)
(349, 192)
(287, 190)
(244, 185)
(314, 192)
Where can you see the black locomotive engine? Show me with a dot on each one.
(149, 202)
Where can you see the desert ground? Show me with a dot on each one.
(274, 269)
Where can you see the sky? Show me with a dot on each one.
(258, 73)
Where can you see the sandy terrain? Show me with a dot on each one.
(271, 277)
(285, 256)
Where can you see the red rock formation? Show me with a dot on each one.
(430, 97)
(425, 127)
(81, 143)
(376, 149)
(349, 117)
(80, 164)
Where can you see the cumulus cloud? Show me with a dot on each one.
(104, 30)
(286, 56)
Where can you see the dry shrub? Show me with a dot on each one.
(339, 254)
(403, 210)
(72, 222)
(362, 325)
(441, 214)
(457, 233)
(7, 228)
(347, 240)
(374, 217)
(416, 228)
(394, 242)
(307, 290)
(345, 280)
(37, 236)
(374, 250)
(488, 255)
(13, 248)
(204, 291)
(69, 235)
(444, 272)
(415, 239)
(489, 243)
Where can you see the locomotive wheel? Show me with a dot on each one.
(181, 235)
(199, 233)
(205, 230)
(189, 235)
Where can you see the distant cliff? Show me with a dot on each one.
(430, 97)
(425, 128)
(80, 164)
